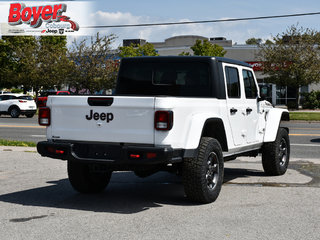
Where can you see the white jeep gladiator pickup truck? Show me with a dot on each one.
(181, 114)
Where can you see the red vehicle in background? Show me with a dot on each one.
(42, 99)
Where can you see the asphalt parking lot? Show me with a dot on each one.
(37, 202)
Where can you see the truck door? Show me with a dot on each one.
(235, 104)
(254, 113)
(251, 106)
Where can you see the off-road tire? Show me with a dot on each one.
(276, 155)
(85, 180)
(29, 115)
(203, 176)
(14, 112)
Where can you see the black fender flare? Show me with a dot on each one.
(214, 127)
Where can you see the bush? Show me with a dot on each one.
(291, 105)
(311, 100)
(16, 90)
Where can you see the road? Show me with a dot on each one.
(22, 129)
(305, 139)
(304, 136)
(37, 202)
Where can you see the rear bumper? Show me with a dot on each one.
(28, 111)
(111, 154)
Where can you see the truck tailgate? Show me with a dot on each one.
(87, 118)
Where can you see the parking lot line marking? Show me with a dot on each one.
(19, 126)
(305, 128)
(305, 145)
(304, 134)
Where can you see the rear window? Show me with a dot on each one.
(63, 93)
(169, 79)
(46, 94)
(7, 97)
(25, 97)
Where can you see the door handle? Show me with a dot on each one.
(249, 110)
(233, 110)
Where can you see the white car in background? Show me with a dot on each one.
(17, 104)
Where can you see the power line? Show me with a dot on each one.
(204, 21)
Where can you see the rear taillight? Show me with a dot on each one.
(163, 120)
(22, 101)
(44, 116)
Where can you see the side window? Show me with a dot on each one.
(249, 84)
(5, 97)
(233, 83)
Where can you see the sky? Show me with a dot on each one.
(105, 12)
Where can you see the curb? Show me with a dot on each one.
(305, 121)
(17, 149)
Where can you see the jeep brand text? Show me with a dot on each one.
(108, 117)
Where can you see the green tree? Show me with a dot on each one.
(137, 50)
(293, 60)
(10, 65)
(94, 65)
(205, 48)
(34, 62)
(6, 63)
(268, 42)
(55, 65)
(257, 41)
(254, 41)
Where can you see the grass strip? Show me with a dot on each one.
(5, 142)
(305, 116)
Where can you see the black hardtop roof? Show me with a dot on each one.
(187, 59)
(232, 61)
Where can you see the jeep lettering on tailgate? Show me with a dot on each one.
(108, 117)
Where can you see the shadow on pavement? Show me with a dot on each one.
(234, 173)
(125, 194)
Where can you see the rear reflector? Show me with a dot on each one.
(163, 120)
(44, 116)
(59, 152)
(135, 156)
(151, 155)
(56, 151)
